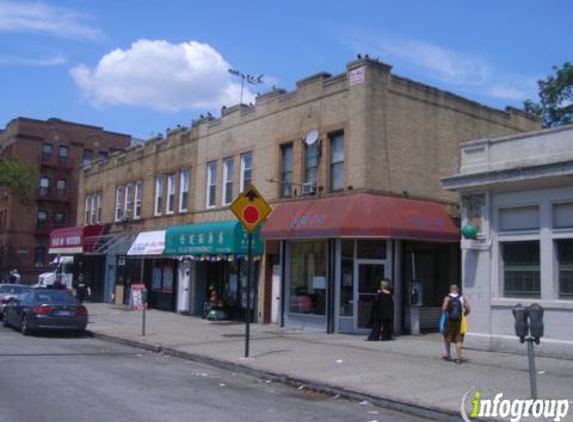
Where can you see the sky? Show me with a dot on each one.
(142, 66)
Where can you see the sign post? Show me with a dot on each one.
(138, 302)
(251, 210)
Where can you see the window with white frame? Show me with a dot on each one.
(61, 188)
(337, 162)
(246, 170)
(158, 195)
(170, 206)
(211, 183)
(88, 211)
(119, 203)
(287, 163)
(138, 198)
(184, 190)
(228, 180)
(99, 207)
(44, 185)
(521, 269)
(93, 208)
(128, 200)
(310, 169)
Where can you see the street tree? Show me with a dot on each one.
(20, 177)
(555, 106)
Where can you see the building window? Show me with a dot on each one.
(87, 156)
(246, 170)
(519, 218)
(99, 207)
(211, 183)
(39, 256)
(59, 218)
(473, 206)
(337, 162)
(287, 163)
(103, 156)
(158, 195)
(310, 169)
(308, 278)
(61, 188)
(565, 265)
(563, 216)
(119, 203)
(128, 201)
(138, 199)
(63, 154)
(42, 218)
(184, 190)
(47, 152)
(521, 272)
(88, 210)
(93, 216)
(44, 186)
(170, 193)
(228, 180)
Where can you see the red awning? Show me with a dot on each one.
(74, 240)
(358, 216)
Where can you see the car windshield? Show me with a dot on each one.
(12, 290)
(54, 296)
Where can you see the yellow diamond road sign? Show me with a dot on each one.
(251, 209)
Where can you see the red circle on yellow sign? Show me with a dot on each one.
(251, 214)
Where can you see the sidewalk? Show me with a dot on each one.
(407, 373)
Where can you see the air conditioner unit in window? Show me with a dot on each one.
(309, 188)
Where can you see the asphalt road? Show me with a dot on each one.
(62, 378)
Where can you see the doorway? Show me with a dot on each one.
(368, 275)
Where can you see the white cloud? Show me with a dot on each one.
(467, 72)
(42, 18)
(162, 76)
(56, 60)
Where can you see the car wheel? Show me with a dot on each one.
(24, 329)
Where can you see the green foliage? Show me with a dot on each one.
(20, 177)
(556, 97)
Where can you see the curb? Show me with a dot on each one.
(400, 405)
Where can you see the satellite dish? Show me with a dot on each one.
(311, 137)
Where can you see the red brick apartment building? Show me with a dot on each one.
(59, 149)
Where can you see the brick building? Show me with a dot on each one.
(362, 147)
(58, 148)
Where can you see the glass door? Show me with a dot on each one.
(368, 276)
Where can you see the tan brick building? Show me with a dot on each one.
(58, 148)
(351, 138)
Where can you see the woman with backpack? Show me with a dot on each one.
(455, 307)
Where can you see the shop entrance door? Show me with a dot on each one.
(368, 275)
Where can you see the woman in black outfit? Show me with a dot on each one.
(382, 316)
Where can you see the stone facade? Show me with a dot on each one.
(400, 138)
(23, 237)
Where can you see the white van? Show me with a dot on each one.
(62, 268)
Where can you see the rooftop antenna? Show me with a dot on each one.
(251, 79)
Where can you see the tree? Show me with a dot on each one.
(555, 107)
(20, 177)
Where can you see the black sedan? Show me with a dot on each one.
(45, 309)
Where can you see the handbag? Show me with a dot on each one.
(464, 325)
(443, 322)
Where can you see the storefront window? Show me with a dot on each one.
(347, 278)
(565, 262)
(521, 274)
(371, 249)
(308, 278)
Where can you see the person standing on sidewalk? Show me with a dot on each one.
(83, 291)
(456, 307)
(382, 314)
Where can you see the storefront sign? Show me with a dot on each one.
(74, 240)
(222, 238)
(137, 297)
(148, 243)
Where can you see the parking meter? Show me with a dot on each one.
(521, 322)
(536, 325)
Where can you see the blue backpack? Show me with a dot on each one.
(454, 309)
